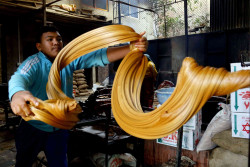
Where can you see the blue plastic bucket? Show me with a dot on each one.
(163, 94)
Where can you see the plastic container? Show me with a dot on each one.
(163, 94)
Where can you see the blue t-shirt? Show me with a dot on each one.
(32, 75)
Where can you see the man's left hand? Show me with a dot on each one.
(142, 43)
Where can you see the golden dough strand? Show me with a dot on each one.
(195, 85)
(61, 111)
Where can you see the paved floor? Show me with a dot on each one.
(7, 148)
(7, 143)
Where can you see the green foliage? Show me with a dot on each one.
(201, 21)
(171, 23)
(192, 4)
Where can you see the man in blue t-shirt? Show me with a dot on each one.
(29, 81)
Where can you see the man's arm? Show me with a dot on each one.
(18, 90)
(19, 103)
(117, 53)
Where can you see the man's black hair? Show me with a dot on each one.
(45, 29)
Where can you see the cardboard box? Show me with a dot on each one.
(238, 67)
(241, 125)
(190, 139)
(240, 99)
(191, 134)
(195, 122)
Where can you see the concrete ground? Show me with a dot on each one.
(7, 148)
(7, 143)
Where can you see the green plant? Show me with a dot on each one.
(201, 21)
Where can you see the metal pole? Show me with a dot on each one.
(165, 22)
(108, 118)
(44, 13)
(94, 74)
(119, 12)
(18, 42)
(180, 131)
(186, 27)
(179, 147)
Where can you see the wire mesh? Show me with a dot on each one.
(162, 18)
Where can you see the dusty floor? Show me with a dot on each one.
(7, 143)
(7, 148)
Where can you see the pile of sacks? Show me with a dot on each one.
(80, 86)
(225, 149)
(230, 151)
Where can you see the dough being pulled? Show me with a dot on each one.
(195, 85)
(58, 113)
(61, 111)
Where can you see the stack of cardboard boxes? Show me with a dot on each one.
(240, 107)
(191, 134)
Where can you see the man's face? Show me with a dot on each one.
(51, 43)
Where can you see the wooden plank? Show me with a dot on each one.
(156, 154)
(26, 1)
(8, 3)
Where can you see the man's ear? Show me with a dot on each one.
(38, 46)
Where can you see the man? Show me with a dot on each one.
(29, 81)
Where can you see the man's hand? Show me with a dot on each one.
(117, 53)
(142, 43)
(19, 103)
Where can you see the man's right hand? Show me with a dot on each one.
(19, 103)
